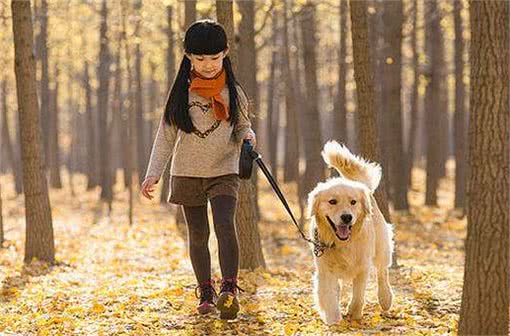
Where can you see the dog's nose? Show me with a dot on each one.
(346, 218)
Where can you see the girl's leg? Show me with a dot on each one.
(198, 236)
(223, 209)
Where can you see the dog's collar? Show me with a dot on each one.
(319, 247)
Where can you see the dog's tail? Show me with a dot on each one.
(351, 166)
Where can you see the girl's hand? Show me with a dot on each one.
(252, 137)
(148, 186)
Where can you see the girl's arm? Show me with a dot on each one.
(162, 149)
(243, 127)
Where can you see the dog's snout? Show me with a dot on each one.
(346, 218)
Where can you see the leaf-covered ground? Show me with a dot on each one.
(113, 279)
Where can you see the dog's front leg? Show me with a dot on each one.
(359, 285)
(384, 292)
(326, 293)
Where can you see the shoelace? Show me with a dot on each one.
(230, 286)
(207, 292)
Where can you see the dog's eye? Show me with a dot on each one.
(332, 201)
(353, 202)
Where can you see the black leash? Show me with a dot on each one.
(318, 246)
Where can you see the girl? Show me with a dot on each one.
(204, 124)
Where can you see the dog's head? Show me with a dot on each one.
(339, 207)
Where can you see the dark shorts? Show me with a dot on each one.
(195, 191)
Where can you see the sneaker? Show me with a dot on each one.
(207, 297)
(227, 304)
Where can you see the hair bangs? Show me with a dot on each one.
(205, 37)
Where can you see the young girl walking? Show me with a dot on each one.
(202, 129)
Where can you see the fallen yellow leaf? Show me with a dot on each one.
(290, 329)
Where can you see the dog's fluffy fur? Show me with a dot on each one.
(345, 212)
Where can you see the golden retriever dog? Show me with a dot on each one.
(345, 217)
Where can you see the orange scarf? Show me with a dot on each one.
(211, 89)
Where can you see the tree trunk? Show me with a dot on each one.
(12, 156)
(247, 72)
(45, 81)
(340, 112)
(103, 74)
(250, 247)
(485, 296)
(433, 46)
(130, 120)
(170, 74)
(170, 54)
(225, 16)
(121, 109)
(190, 12)
(71, 123)
(19, 177)
(367, 129)
(378, 49)
(5, 137)
(459, 114)
(310, 130)
(413, 128)
(375, 29)
(124, 133)
(291, 158)
(298, 69)
(81, 164)
(91, 131)
(74, 124)
(444, 115)
(39, 229)
(391, 75)
(275, 125)
(153, 104)
(54, 151)
(1, 220)
(142, 154)
(272, 115)
(117, 112)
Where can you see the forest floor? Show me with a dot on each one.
(116, 279)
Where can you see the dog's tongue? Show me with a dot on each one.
(343, 231)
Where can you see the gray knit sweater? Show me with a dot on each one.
(212, 151)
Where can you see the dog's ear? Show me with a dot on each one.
(366, 209)
(313, 202)
(367, 204)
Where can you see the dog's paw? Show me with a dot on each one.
(354, 314)
(331, 318)
(385, 297)
(332, 321)
(354, 318)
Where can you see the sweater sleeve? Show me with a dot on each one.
(243, 125)
(162, 149)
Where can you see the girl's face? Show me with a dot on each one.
(208, 66)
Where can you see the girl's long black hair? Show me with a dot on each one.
(204, 37)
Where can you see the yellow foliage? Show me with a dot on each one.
(119, 280)
(290, 329)
(229, 301)
(97, 308)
